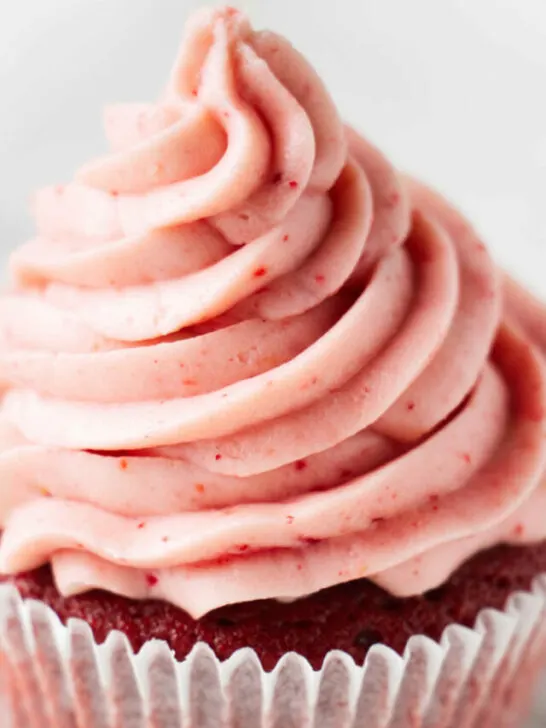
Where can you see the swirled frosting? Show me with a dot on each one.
(244, 358)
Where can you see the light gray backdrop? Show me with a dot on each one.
(453, 90)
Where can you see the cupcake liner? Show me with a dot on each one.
(58, 677)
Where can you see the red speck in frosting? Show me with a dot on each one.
(217, 456)
(393, 199)
(45, 492)
(290, 520)
(309, 383)
(320, 278)
(194, 92)
(114, 193)
(223, 560)
(259, 272)
(200, 488)
(300, 464)
(466, 457)
(410, 406)
(244, 216)
(189, 382)
(293, 184)
(142, 524)
(151, 579)
(123, 464)
(242, 547)
(518, 529)
(285, 238)
(165, 539)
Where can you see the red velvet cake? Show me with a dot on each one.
(350, 617)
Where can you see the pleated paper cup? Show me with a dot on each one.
(58, 677)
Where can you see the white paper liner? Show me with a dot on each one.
(58, 677)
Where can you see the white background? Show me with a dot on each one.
(453, 90)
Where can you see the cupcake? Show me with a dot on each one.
(273, 432)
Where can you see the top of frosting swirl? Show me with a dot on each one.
(242, 344)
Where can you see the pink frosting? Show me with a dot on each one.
(244, 358)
